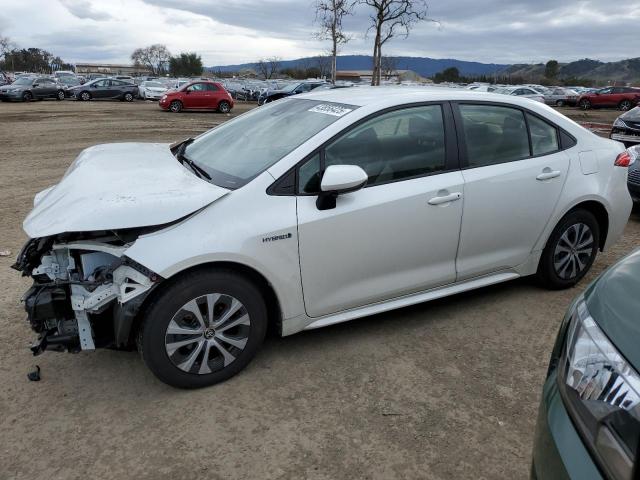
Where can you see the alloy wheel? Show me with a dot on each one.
(224, 107)
(60, 95)
(207, 333)
(85, 96)
(573, 251)
(625, 105)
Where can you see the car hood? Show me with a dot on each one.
(116, 186)
(632, 115)
(614, 302)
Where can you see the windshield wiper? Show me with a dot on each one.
(199, 171)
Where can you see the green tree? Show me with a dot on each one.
(551, 69)
(185, 65)
(451, 74)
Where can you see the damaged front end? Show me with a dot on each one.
(85, 293)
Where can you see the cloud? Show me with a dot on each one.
(492, 31)
(84, 9)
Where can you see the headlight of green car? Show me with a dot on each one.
(602, 393)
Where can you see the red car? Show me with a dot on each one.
(200, 95)
(624, 98)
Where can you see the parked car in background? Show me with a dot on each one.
(633, 180)
(626, 128)
(4, 79)
(291, 89)
(589, 419)
(26, 89)
(105, 89)
(623, 98)
(560, 97)
(524, 92)
(95, 76)
(482, 88)
(151, 90)
(63, 73)
(124, 78)
(204, 95)
(312, 211)
(69, 81)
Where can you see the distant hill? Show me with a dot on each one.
(623, 71)
(426, 67)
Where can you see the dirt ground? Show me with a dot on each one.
(447, 389)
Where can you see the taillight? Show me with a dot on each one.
(623, 160)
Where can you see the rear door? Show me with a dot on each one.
(398, 235)
(513, 180)
(213, 95)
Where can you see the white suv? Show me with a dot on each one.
(311, 211)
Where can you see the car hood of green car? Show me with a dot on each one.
(614, 303)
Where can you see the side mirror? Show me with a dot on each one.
(338, 180)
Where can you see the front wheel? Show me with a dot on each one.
(175, 106)
(224, 107)
(85, 96)
(560, 103)
(203, 329)
(27, 96)
(128, 97)
(570, 250)
(60, 95)
(585, 104)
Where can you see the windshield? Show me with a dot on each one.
(289, 88)
(153, 84)
(23, 81)
(239, 150)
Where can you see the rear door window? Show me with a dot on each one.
(494, 134)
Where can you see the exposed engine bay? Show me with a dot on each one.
(85, 291)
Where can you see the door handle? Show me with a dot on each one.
(445, 199)
(548, 174)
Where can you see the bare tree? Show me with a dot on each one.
(155, 58)
(325, 65)
(388, 67)
(329, 15)
(389, 19)
(268, 67)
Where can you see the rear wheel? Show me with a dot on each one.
(625, 105)
(224, 107)
(570, 250)
(560, 103)
(27, 96)
(585, 104)
(175, 106)
(203, 329)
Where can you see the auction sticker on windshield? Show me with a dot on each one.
(330, 109)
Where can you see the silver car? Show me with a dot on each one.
(560, 97)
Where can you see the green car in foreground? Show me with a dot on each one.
(589, 419)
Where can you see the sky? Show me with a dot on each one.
(240, 31)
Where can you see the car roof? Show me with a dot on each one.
(364, 96)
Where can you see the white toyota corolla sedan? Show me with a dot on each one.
(309, 211)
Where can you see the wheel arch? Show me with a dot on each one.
(597, 209)
(274, 312)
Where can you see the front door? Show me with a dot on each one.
(398, 235)
(196, 96)
(511, 188)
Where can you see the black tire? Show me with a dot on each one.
(224, 107)
(625, 105)
(84, 96)
(560, 103)
(553, 272)
(60, 95)
(170, 302)
(128, 97)
(584, 104)
(175, 106)
(27, 96)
